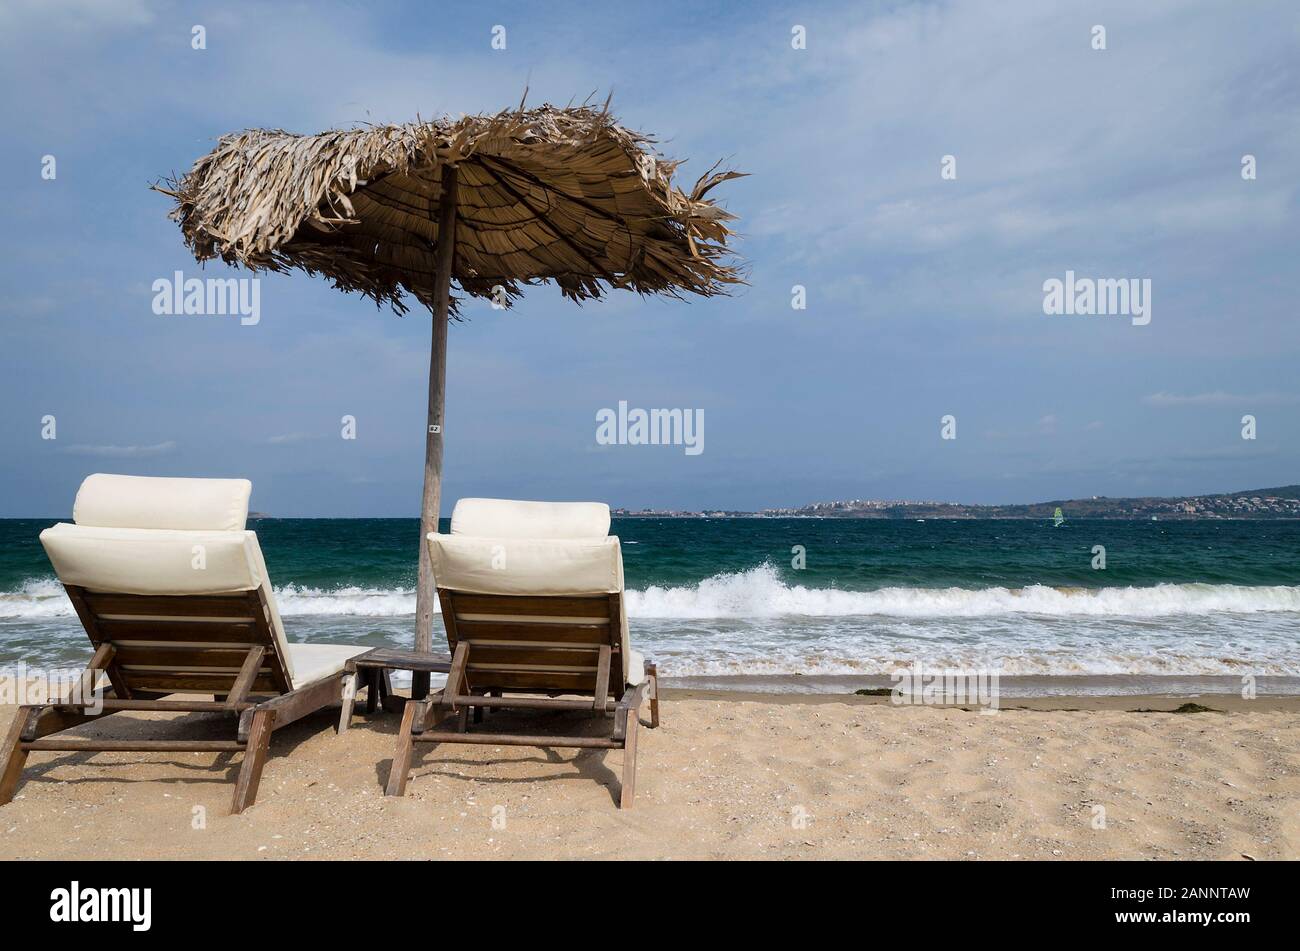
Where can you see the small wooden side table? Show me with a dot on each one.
(372, 670)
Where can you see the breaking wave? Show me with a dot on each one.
(761, 593)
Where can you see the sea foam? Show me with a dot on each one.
(761, 593)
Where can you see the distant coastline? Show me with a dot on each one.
(1282, 502)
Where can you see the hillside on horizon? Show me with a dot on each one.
(1276, 502)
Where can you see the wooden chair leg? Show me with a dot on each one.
(372, 690)
(250, 772)
(351, 683)
(652, 672)
(432, 714)
(401, 767)
(389, 702)
(419, 685)
(13, 756)
(628, 790)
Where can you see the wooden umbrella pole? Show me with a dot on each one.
(433, 435)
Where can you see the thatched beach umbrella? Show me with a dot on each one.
(523, 196)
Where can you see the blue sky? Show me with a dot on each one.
(924, 295)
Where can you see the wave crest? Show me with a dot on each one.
(761, 593)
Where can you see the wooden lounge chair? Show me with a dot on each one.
(174, 595)
(532, 599)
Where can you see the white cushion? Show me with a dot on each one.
(552, 566)
(152, 561)
(313, 662)
(162, 561)
(635, 668)
(120, 501)
(141, 535)
(504, 518)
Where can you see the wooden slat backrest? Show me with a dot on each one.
(535, 644)
(181, 643)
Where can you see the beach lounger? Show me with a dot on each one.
(175, 596)
(532, 599)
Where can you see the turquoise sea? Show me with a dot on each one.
(717, 599)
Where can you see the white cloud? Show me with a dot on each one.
(122, 452)
(89, 16)
(1051, 139)
(1220, 398)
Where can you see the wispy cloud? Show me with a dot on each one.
(289, 439)
(1221, 398)
(1045, 425)
(123, 452)
(90, 16)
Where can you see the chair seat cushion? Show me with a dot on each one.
(635, 667)
(313, 662)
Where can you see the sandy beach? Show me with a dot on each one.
(748, 776)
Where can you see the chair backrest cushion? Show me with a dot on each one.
(527, 566)
(152, 561)
(504, 518)
(150, 536)
(121, 501)
(538, 549)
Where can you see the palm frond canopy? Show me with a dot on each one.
(566, 195)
